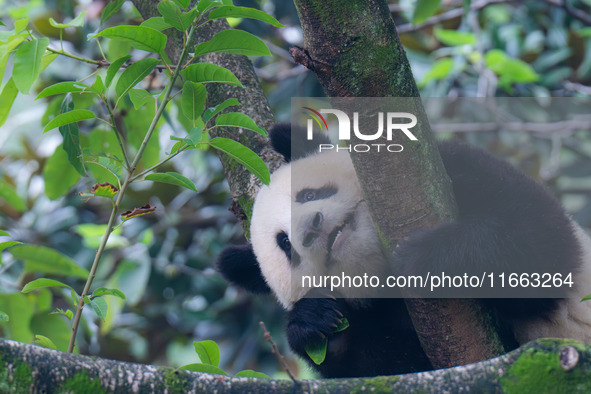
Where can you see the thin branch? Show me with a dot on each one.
(276, 352)
(446, 16)
(117, 132)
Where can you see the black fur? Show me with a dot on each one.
(239, 266)
(282, 143)
(505, 220)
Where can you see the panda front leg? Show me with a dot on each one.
(310, 321)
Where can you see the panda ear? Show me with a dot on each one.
(283, 142)
(239, 266)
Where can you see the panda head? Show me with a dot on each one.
(310, 220)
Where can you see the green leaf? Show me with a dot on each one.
(196, 134)
(8, 244)
(156, 22)
(237, 42)
(42, 283)
(424, 9)
(6, 99)
(206, 368)
(244, 156)
(243, 12)
(42, 259)
(208, 352)
(76, 22)
(45, 342)
(27, 63)
(454, 37)
(63, 87)
(21, 24)
(209, 73)
(213, 111)
(4, 234)
(69, 117)
(439, 70)
(58, 175)
(111, 9)
(104, 189)
(249, 373)
(510, 70)
(134, 74)
(101, 291)
(172, 178)
(100, 307)
(205, 5)
(92, 235)
(140, 37)
(193, 100)
(174, 16)
(9, 194)
(343, 325)
(238, 119)
(71, 139)
(586, 298)
(140, 97)
(113, 68)
(584, 32)
(317, 353)
(111, 164)
(67, 313)
(98, 86)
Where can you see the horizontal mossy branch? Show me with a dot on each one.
(556, 365)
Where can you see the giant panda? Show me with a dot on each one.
(323, 225)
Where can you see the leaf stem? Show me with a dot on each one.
(184, 148)
(82, 59)
(126, 183)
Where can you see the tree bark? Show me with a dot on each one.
(354, 49)
(557, 365)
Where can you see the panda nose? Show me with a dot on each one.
(313, 229)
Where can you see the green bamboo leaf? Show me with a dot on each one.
(42, 259)
(244, 156)
(156, 22)
(8, 244)
(317, 353)
(9, 194)
(101, 291)
(134, 74)
(100, 307)
(237, 42)
(213, 111)
(140, 37)
(27, 63)
(424, 9)
(76, 22)
(42, 340)
(243, 12)
(69, 117)
(193, 100)
(238, 119)
(111, 9)
(63, 87)
(7, 97)
(454, 37)
(42, 283)
(113, 68)
(174, 16)
(206, 368)
(208, 352)
(172, 178)
(249, 373)
(209, 73)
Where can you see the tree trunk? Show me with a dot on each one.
(557, 365)
(354, 49)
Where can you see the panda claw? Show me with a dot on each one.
(338, 313)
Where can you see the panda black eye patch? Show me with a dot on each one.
(284, 243)
(307, 195)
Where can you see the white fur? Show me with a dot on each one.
(360, 254)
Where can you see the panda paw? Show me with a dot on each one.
(310, 321)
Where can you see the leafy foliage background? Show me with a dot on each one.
(164, 262)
